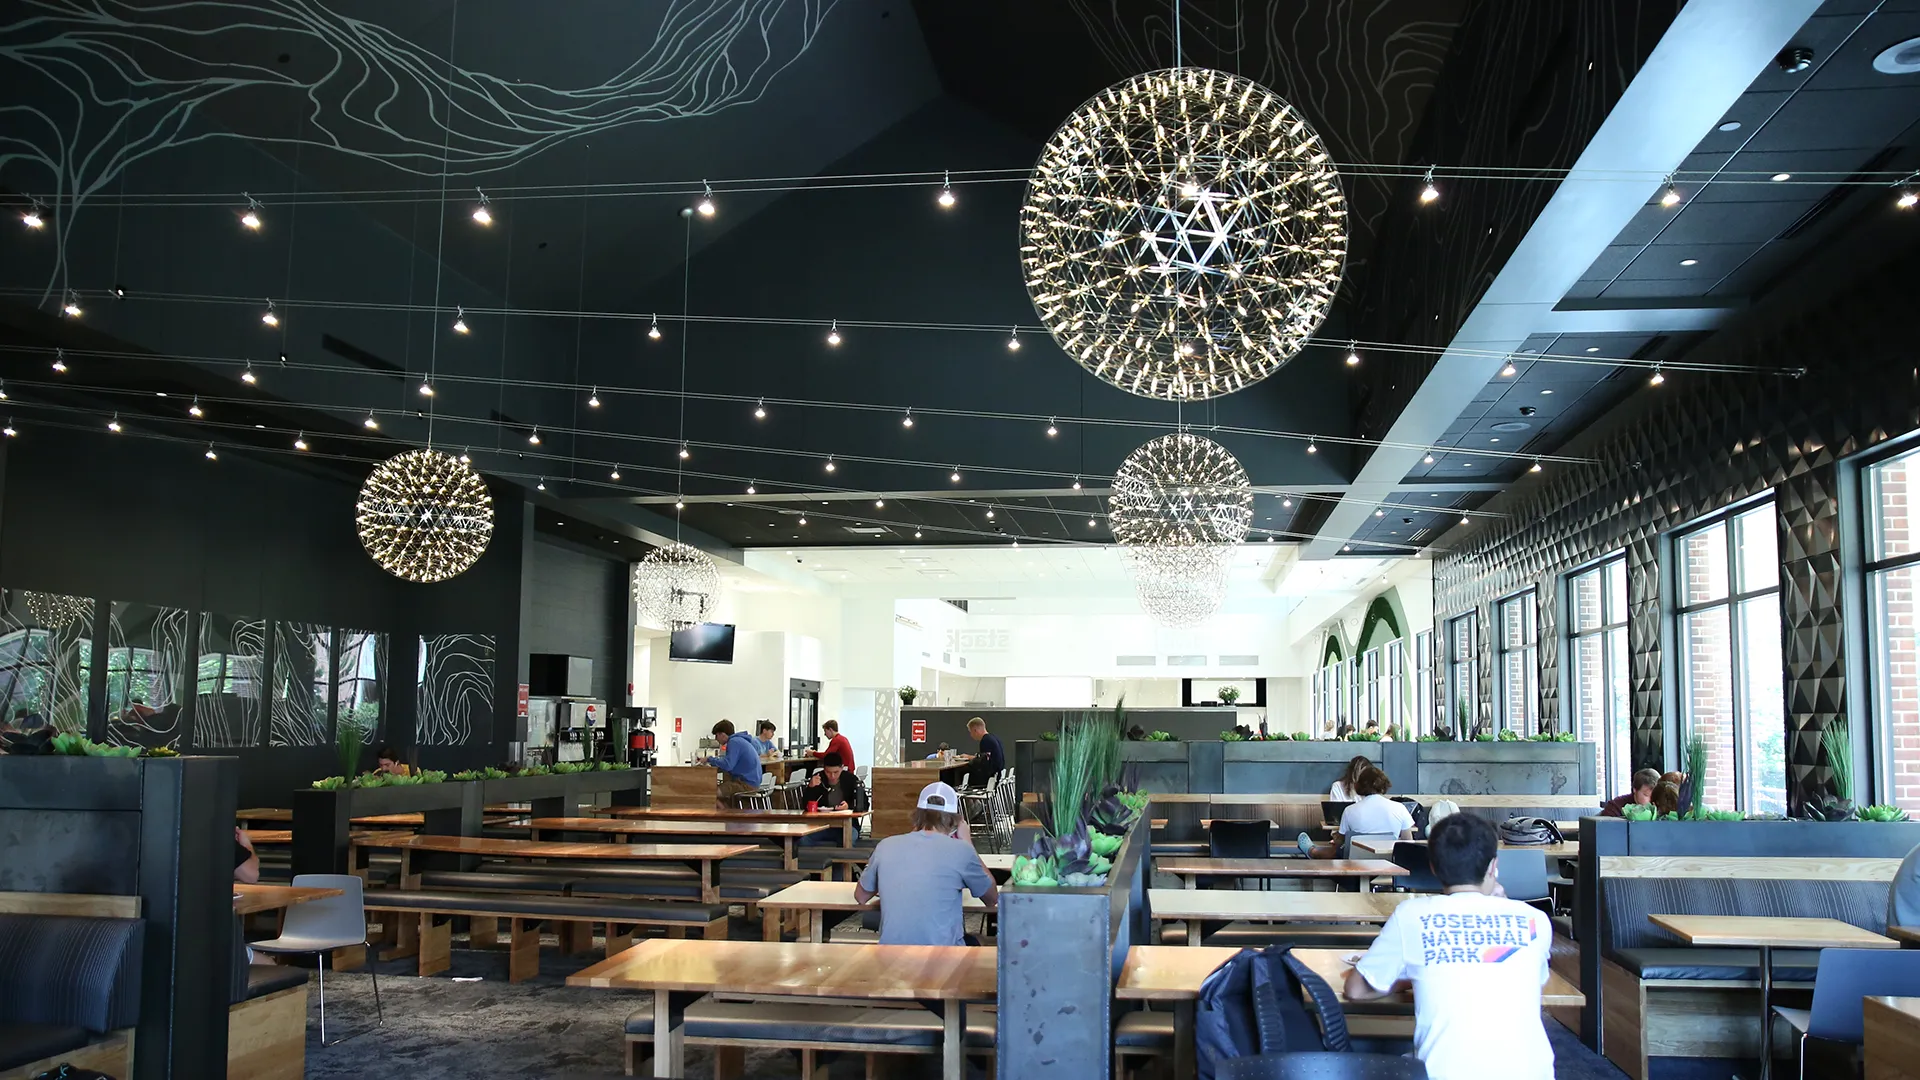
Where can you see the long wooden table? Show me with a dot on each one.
(249, 899)
(1191, 870)
(944, 978)
(849, 820)
(699, 856)
(1331, 965)
(786, 834)
(1569, 849)
(1893, 1038)
(1194, 906)
(816, 897)
(1171, 975)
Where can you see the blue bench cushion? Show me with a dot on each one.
(70, 971)
(1696, 962)
(1144, 1031)
(264, 979)
(21, 1043)
(549, 907)
(780, 1023)
(1628, 902)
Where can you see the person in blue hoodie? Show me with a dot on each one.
(739, 764)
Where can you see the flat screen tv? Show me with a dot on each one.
(703, 643)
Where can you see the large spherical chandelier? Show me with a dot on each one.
(424, 516)
(1183, 234)
(55, 611)
(676, 586)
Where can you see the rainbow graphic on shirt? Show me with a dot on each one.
(1461, 938)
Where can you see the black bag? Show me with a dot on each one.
(1419, 813)
(69, 1072)
(1530, 830)
(1251, 1005)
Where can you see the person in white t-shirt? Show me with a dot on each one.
(1342, 789)
(1373, 815)
(1474, 960)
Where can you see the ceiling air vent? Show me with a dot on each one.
(961, 604)
(1242, 660)
(867, 530)
(1186, 661)
(1135, 661)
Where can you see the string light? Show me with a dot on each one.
(1428, 460)
(72, 307)
(1904, 201)
(879, 504)
(615, 474)
(31, 216)
(194, 409)
(593, 398)
(370, 423)
(1013, 340)
(1090, 523)
(1379, 513)
(426, 388)
(1463, 520)
(247, 376)
(752, 489)
(1076, 483)
(464, 459)
(1051, 429)
(830, 464)
(60, 361)
(685, 453)
(460, 321)
(1536, 465)
(1312, 446)
(654, 330)
(760, 410)
(803, 519)
(989, 515)
(113, 425)
(955, 477)
(907, 420)
(1429, 193)
(1658, 378)
(1671, 197)
(706, 206)
(833, 333)
(1353, 354)
(210, 455)
(268, 316)
(679, 504)
(916, 534)
(300, 441)
(251, 217)
(1286, 504)
(542, 485)
(482, 215)
(119, 293)
(3, 390)
(946, 199)
(9, 431)
(533, 437)
(1509, 371)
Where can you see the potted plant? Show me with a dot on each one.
(1837, 804)
(1229, 695)
(907, 694)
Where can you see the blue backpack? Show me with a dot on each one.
(1251, 1005)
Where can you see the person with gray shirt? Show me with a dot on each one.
(919, 875)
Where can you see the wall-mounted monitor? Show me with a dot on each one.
(703, 643)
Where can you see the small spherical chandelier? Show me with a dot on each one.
(424, 516)
(1183, 234)
(1180, 588)
(55, 611)
(1178, 491)
(676, 586)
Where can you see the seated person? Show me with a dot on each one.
(1474, 960)
(246, 861)
(835, 787)
(386, 761)
(990, 759)
(1903, 894)
(838, 743)
(940, 753)
(918, 875)
(763, 734)
(1666, 799)
(1373, 815)
(739, 763)
(1640, 794)
(1342, 789)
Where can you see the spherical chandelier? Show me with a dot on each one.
(424, 516)
(676, 586)
(1183, 234)
(55, 611)
(1180, 490)
(1180, 588)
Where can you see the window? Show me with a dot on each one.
(1371, 704)
(1423, 683)
(27, 672)
(359, 677)
(1892, 571)
(1518, 653)
(1731, 689)
(1461, 692)
(1599, 707)
(1393, 712)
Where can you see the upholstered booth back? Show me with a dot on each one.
(70, 971)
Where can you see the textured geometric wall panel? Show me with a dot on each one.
(1693, 446)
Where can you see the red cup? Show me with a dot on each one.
(813, 806)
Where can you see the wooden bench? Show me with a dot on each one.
(732, 1027)
(432, 941)
(267, 1027)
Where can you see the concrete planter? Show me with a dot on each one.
(1500, 751)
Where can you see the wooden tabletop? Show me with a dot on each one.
(1384, 846)
(996, 861)
(248, 899)
(1231, 904)
(838, 896)
(1786, 933)
(1303, 868)
(264, 813)
(1168, 972)
(653, 813)
(1331, 965)
(270, 836)
(765, 830)
(1904, 933)
(881, 972)
(542, 849)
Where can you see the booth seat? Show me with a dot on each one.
(69, 992)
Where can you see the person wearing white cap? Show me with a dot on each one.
(919, 875)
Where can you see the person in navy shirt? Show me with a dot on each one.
(989, 759)
(739, 765)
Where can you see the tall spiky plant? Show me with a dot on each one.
(1087, 762)
(348, 739)
(1696, 775)
(1837, 742)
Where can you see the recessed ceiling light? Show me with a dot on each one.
(1902, 58)
(1496, 438)
(1731, 125)
(1593, 348)
(1779, 176)
(1689, 262)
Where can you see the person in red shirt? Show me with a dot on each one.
(838, 743)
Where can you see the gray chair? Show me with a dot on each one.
(1523, 874)
(1419, 866)
(753, 800)
(1844, 977)
(321, 926)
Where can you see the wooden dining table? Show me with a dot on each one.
(945, 979)
(1381, 845)
(1191, 869)
(784, 833)
(848, 820)
(1392, 1016)
(700, 857)
(251, 899)
(1196, 906)
(815, 898)
(1171, 975)
(1766, 933)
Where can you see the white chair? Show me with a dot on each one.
(321, 926)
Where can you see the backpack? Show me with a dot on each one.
(1530, 830)
(1420, 815)
(1251, 1005)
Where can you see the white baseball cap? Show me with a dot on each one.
(941, 797)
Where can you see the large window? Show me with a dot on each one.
(1350, 693)
(1393, 709)
(1731, 690)
(1517, 650)
(1423, 683)
(1371, 703)
(1599, 704)
(1461, 692)
(1893, 570)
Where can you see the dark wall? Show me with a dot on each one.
(142, 520)
(577, 606)
(1693, 446)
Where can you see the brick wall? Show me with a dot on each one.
(1898, 679)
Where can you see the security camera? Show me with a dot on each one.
(798, 559)
(1528, 410)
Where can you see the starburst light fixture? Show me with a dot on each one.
(1183, 234)
(424, 516)
(55, 611)
(676, 586)
(1179, 506)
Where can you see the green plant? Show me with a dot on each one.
(1483, 736)
(1229, 695)
(1721, 815)
(349, 738)
(80, 746)
(331, 783)
(160, 751)
(468, 774)
(1232, 736)
(1463, 721)
(1364, 736)
(534, 770)
(1697, 773)
(1087, 763)
(1882, 812)
(1161, 736)
(1049, 736)
(1639, 812)
(1837, 743)
(1302, 736)
(1508, 735)
(1431, 738)
(907, 694)
(431, 776)
(568, 768)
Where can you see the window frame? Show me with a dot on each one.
(1530, 618)
(1615, 772)
(1423, 717)
(1860, 521)
(1456, 664)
